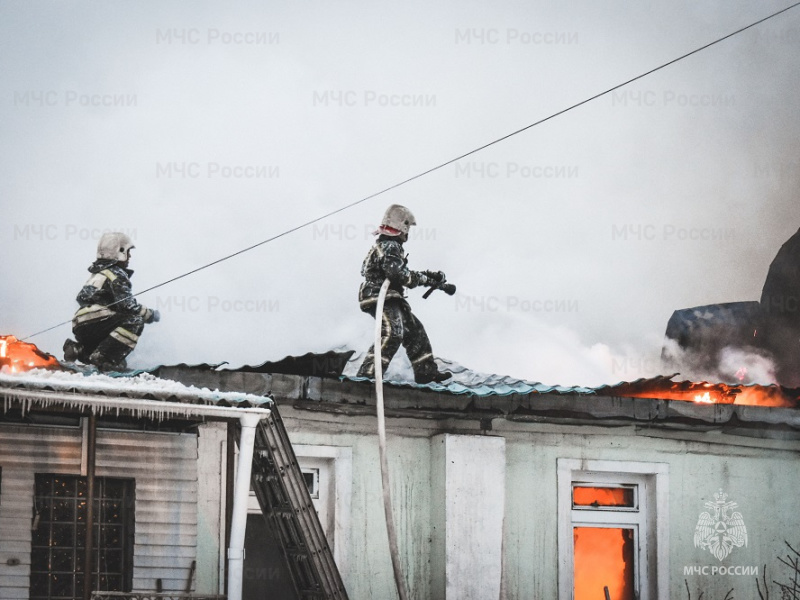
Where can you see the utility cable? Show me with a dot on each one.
(452, 160)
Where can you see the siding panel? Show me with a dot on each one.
(164, 467)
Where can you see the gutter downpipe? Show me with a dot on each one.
(241, 491)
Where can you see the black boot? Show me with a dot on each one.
(103, 363)
(367, 369)
(432, 377)
(72, 350)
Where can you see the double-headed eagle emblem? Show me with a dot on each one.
(721, 530)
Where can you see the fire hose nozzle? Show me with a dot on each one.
(447, 288)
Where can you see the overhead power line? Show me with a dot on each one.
(452, 160)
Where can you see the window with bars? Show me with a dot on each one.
(59, 536)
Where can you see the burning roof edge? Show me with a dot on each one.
(608, 410)
(466, 382)
(353, 397)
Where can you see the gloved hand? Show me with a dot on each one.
(151, 316)
(156, 316)
(435, 276)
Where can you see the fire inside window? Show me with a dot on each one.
(59, 534)
(606, 527)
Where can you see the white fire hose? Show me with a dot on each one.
(387, 498)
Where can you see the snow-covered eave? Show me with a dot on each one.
(98, 405)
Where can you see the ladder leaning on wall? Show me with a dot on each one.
(286, 504)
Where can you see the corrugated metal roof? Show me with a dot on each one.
(464, 381)
(478, 384)
(467, 381)
(137, 385)
(328, 364)
(344, 364)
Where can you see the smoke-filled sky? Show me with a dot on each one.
(201, 128)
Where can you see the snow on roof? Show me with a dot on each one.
(463, 380)
(159, 396)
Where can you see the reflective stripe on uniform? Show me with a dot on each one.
(126, 337)
(96, 281)
(90, 313)
(373, 300)
(95, 311)
(386, 334)
(422, 358)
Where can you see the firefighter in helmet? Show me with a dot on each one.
(109, 321)
(387, 259)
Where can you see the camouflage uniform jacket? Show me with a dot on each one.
(386, 259)
(108, 292)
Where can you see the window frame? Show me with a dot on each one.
(126, 526)
(650, 521)
(335, 464)
(607, 485)
(314, 487)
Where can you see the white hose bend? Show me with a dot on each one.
(387, 498)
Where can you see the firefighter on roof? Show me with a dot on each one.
(109, 321)
(387, 259)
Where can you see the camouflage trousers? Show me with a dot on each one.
(114, 337)
(400, 326)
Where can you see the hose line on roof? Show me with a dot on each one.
(387, 496)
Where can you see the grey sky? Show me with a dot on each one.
(571, 244)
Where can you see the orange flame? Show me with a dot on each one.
(704, 398)
(598, 496)
(765, 396)
(603, 559)
(22, 356)
(710, 393)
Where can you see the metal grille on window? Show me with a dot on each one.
(59, 534)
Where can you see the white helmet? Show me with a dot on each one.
(114, 246)
(397, 220)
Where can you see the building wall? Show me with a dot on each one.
(760, 475)
(211, 467)
(165, 468)
(369, 573)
